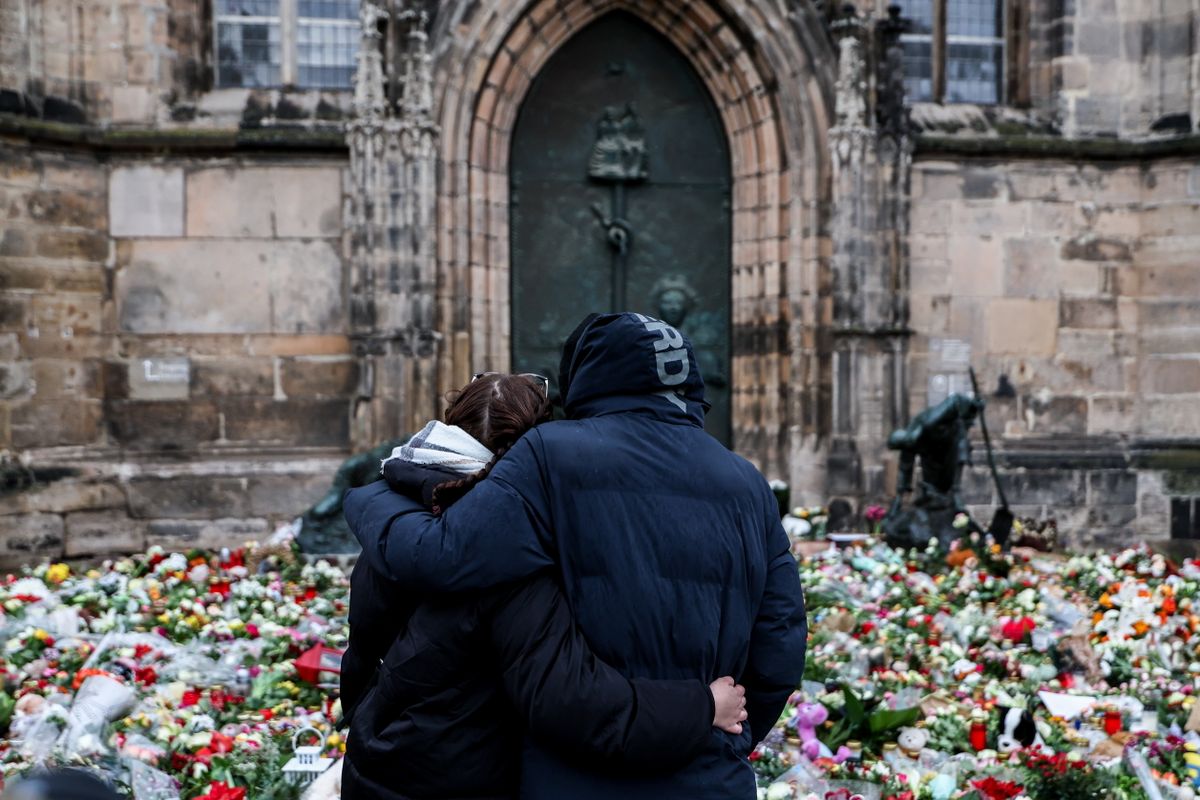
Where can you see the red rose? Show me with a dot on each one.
(218, 790)
(252, 630)
(222, 743)
(190, 698)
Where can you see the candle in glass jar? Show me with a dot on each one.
(978, 735)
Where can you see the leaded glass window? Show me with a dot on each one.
(960, 59)
(312, 44)
(918, 50)
(328, 37)
(974, 51)
(248, 51)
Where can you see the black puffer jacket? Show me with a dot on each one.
(669, 548)
(444, 714)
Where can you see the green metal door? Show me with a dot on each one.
(620, 200)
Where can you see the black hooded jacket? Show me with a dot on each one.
(440, 690)
(669, 548)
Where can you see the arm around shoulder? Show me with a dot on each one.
(494, 534)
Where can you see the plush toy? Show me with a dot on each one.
(1192, 758)
(1017, 730)
(912, 741)
(808, 717)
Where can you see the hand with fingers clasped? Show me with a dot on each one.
(729, 700)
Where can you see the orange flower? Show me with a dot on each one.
(84, 674)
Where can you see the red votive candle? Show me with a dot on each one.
(979, 735)
(1112, 722)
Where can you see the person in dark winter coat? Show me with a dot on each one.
(669, 548)
(438, 690)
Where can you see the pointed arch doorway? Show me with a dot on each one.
(620, 200)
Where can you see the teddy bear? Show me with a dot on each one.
(809, 716)
(912, 741)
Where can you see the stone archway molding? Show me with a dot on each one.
(770, 70)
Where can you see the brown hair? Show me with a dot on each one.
(496, 410)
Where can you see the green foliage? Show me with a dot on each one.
(871, 727)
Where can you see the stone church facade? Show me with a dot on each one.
(242, 239)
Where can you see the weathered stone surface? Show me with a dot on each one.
(47, 423)
(1031, 269)
(145, 201)
(1062, 488)
(187, 497)
(163, 424)
(265, 202)
(335, 376)
(91, 533)
(1172, 416)
(976, 266)
(295, 422)
(1090, 313)
(213, 377)
(1091, 248)
(1058, 415)
(242, 286)
(209, 533)
(284, 496)
(1022, 327)
(63, 496)
(1171, 375)
(82, 245)
(66, 209)
(30, 538)
(132, 104)
(1112, 488)
(15, 379)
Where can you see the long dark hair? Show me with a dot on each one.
(496, 410)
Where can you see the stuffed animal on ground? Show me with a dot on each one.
(1017, 730)
(809, 716)
(1192, 758)
(912, 741)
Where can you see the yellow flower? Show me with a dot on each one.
(40, 635)
(334, 740)
(57, 573)
(164, 618)
(192, 621)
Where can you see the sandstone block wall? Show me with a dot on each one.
(1076, 283)
(173, 353)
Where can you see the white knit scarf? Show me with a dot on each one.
(445, 446)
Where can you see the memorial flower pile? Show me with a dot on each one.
(174, 673)
(975, 675)
(986, 675)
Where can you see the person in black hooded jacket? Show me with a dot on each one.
(437, 690)
(669, 548)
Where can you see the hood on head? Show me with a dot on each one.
(630, 355)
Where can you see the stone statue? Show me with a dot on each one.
(619, 153)
(323, 529)
(674, 298)
(938, 436)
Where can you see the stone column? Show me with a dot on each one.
(393, 161)
(871, 155)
